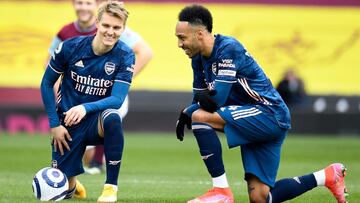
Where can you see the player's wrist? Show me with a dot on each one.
(191, 109)
(83, 109)
(87, 108)
(56, 128)
(54, 124)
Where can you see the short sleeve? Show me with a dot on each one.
(58, 60)
(229, 62)
(54, 44)
(126, 69)
(129, 37)
(199, 75)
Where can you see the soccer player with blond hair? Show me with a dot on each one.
(96, 73)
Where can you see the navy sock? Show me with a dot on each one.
(290, 188)
(113, 144)
(210, 148)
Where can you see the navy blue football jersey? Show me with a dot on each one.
(231, 63)
(87, 77)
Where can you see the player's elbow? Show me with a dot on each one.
(143, 52)
(145, 56)
(149, 54)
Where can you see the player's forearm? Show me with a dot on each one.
(143, 55)
(48, 98)
(111, 102)
(118, 95)
(191, 109)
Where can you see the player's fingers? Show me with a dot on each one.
(68, 118)
(60, 148)
(67, 115)
(79, 118)
(181, 136)
(65, 145)
(72, 120)
(188, 125)
(180, 131)
(68, 136)
(55, 145)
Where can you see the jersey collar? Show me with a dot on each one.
(90, 29)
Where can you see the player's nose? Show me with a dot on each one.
(180, 44)
(110, 31)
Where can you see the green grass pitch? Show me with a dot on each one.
(157, 168)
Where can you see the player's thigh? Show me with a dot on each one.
(257, 190)
(71, 162)
(213, 119)
(249, 124)
(93, 131)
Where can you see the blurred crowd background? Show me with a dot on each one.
(309, 49)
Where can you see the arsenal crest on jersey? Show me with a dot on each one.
(109, 68)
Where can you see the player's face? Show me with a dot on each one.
(85, 9)
(187, 38)
(109, 29)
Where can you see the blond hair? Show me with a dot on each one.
(114, 8)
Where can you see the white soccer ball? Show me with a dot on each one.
(50, 184)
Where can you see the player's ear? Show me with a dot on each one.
(97, 23)
(200, 34)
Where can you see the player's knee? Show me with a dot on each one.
(198, 116)
(257, 196)
(111, 116)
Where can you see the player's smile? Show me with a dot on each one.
(109, 38)
(187, 51)
(186, 39)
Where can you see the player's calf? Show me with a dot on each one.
(113, 143)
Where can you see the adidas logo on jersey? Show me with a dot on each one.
(79, 64)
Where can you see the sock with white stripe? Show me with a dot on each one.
(220, 181)
(210, 148)
(113, 145)
(290, 188)
(320, 177)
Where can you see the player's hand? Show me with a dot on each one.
(206, 101)
(74, 115)
(183, 120)
(58, 138)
